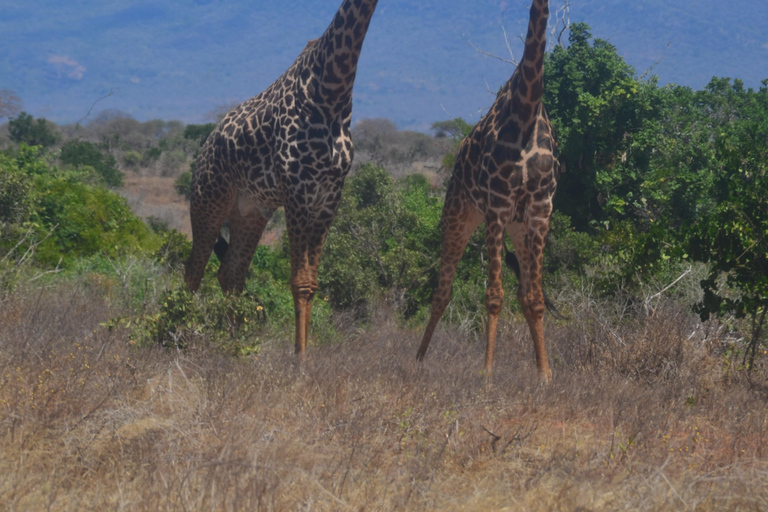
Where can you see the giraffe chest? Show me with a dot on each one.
(508, 181)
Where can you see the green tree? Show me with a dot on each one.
(604, 120)
(732, 231)
(15, 185)
(24, 128)
(385, 244)
(457, 128)
(79, 154)
(198, 132)
(183, 184)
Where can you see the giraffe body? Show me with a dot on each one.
(288, 146)
(505, 175)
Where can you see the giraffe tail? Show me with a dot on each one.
(220, 249)
(511, 260)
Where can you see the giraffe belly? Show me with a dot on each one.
(247, 205)
(259, 195)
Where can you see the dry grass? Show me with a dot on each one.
(643, 415)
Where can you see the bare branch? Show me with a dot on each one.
(559, 23)
(506, 39)
(491, 96)
(648, 71)
(10, 103)
(54, 271)
(647, 302)
(90, 109)
(487, 54)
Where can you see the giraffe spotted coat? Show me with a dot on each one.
(288, 146)
(505, 175)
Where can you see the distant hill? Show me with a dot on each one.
(173, 60)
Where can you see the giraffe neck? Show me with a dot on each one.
(519, 98)
(333, 57)
(532, 64)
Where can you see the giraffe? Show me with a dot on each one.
(289, 146)
(505, 174)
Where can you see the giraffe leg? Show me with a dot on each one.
(459, 221)
(307, 235)
(494, 293)
(529, 249)
(244, 235)
(207, 216)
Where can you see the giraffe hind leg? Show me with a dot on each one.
(206, 219)
(511, 261)
(459, 221)
(529, 247)
(244, 235)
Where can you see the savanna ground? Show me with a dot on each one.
(646, 412)
(119, 390)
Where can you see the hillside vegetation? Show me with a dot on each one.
(121, 390)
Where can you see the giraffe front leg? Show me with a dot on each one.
(306, 233)
(494, 293)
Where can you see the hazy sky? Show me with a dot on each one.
(181, 59)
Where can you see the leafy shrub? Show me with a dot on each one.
(183, 184)
(230, 322)
(15, 185)
(198, 132)
(151, 155)
(174, 250)
(385, 245)
(85, 220)
(132, 159)
(87, 154)
(157, 225)
(25, 129)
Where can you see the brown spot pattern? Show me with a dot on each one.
(505, 175)
(288, 146)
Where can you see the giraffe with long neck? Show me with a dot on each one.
(505, 174)
(289, 146)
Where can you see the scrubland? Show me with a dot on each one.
(119, 390)
(646, 412)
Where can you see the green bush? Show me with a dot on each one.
(70, 219)
(85, 220)
(183, 185)
(385, 245)
(81, 154)
(24, 129)
(132, 159)
(15, 201)
(198, 132)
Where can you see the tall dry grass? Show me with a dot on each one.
(644, 414)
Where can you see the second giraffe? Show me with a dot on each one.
(505, 174)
